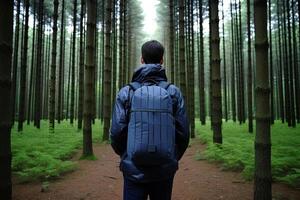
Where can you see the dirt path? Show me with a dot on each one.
(101, 179)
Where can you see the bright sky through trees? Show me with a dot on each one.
(150, 16)
(149, 10)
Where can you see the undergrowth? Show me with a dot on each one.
(237, 152)
(40, 155)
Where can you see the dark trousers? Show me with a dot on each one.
(161, 190)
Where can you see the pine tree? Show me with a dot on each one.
(6, 33)
(107, 72)
(52, 84)
(250, 114)
(216, 73)
(23, 70)
(262, 176)
(72, 103)
(89, 78)
(81, 68)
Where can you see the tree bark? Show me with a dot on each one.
(53, 70)
(89, 79)
(107, 72)
(250, 113)
(216, 73)
(81, 69)
(61, 66)
(224, 65)
(15, 62)
(262, 177)
(23, 70)
(182, 48)
(38, 77)
(6, 39)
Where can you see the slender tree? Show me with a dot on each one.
(38, 67)
(81, 68)
(216, 73)
(262, 177)
(6, 32)
(32, 71)
(201, 67)
(182, 48)
(107, 71)
(72, 103)
(171, 41)
(23, 70)
(61, 64)
(233, 86)
(250, 114)
(271, 62)
(53, 69)
(89, 78)
(15, 60)
(224, 64)
(121, 44)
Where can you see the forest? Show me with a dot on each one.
(236, 63)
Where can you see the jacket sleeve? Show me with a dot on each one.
(181, 126)
(119, 124)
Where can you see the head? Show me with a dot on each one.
(152, 52)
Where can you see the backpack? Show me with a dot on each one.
(151, 127)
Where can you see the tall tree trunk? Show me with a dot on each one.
(280, 74)
(201, 68)
(114, 52)
(89, 79)
(233, 90)
(250, 114)
(61, 65)
(53, 70)
(224, 65)
(23, 70)
(192, 71)
(15, 61)
(107, 72)
(32, 70)
(6, 39)
(121, 44)
(182, 48)
(295, 62)
(241, 39)
(81, 68)
(72, 104)
(216, 73)
(271, 63)
(171, 41)
(125, 42)
(38, 78)
(262, 177)
(286, 69)
(291, 69)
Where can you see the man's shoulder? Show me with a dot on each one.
(174, 90)
(123, 92)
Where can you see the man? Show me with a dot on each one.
(141, 176)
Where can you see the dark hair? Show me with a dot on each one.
(152, 52)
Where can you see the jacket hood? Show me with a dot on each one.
(149, 71)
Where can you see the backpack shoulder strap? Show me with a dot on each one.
(164, 84)
(134, 85)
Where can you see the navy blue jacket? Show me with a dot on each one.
(119, 127)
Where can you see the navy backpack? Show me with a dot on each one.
(151, 128)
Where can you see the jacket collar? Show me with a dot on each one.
(145, 72)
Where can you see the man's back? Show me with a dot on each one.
(147, 173)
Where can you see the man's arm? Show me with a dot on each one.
(181, 125)
(119, 124)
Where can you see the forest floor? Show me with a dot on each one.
(101, 179)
